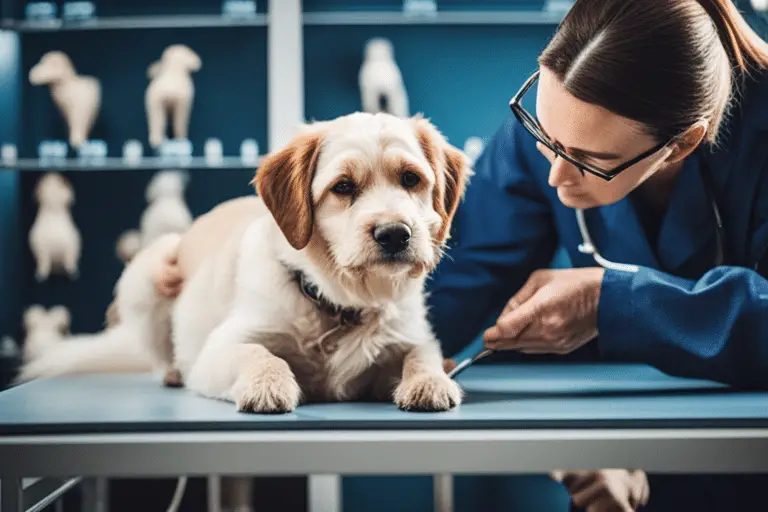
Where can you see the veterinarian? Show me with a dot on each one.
(645, 159)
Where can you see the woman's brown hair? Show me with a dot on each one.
(664, 63)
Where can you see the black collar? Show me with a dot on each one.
(342, 315)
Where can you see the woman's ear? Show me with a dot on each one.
(284, 183)
(688, 142)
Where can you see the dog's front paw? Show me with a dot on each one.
(271, 387)
(429, 392)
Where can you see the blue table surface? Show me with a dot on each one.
(498, 396)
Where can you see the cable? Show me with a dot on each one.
(181, 486)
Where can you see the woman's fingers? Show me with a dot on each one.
(510, 324)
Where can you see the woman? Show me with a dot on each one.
(649, 133)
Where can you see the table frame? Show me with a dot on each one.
(340, 452)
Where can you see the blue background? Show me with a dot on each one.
(460, 76)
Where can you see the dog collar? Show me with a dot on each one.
(342, 315)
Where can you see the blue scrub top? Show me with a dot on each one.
(679, 313)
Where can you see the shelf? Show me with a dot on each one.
(542, 17)
(118, 164)
(136, 22)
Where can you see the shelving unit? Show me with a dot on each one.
(137, 22)
(118, 164)
(542, 17)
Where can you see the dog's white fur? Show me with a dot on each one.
(171, 90)
(43, 328)
(54, 238)
(136, 342)
(380, 77)
(243, 331)
(78, 97)
(166, 211)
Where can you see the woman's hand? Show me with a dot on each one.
(555, 312)
(607, 490)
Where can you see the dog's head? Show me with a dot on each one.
(168, 183)
(177, 56)
(374, 193)
(379, 48)
(53, 67)
(54, 320)
(54, 190)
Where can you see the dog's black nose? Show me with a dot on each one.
(392, 237)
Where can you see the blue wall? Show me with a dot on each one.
(230, 104)
(9, 188)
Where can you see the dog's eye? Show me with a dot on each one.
(344, 188)
(409, 179)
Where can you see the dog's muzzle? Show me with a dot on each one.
(393, 238)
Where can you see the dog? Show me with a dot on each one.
(311, 291)
(77, 97)
(314, 289)
(43, 328)
(54, 238)
(380, 80)
(171, 90)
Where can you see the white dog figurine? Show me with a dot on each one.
(128, 244)
(171, 91)
(43, 328)
(381, 83)
(54, 237)
(77, 97)
(166, 212)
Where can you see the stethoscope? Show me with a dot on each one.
(588, 247)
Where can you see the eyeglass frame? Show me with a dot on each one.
(525, 118)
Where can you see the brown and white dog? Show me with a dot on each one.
(314, 290)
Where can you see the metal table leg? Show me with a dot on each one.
(324, 493)
(443, 492)
(214, 493)
(11, 495)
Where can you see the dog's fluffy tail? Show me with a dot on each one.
(111, 351)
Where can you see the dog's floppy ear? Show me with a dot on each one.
(284, 183)
(154, 69)
(32, 316)
(59, 315)
(452, 171)
(192, 60)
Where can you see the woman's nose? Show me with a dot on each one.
(563, 173)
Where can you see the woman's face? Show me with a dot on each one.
(596, 136)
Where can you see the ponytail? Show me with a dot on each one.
(746, 50)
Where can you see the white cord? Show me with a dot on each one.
(589, 248)
(181, 486)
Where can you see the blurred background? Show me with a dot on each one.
(262, 67)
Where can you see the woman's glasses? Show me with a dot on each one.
(533, 127)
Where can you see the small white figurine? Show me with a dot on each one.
(473, 146)
(166, 212)
(43, 328)
(170, 91)
(381, 83)
(128, 244)
(54, 238)
(78, 97)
